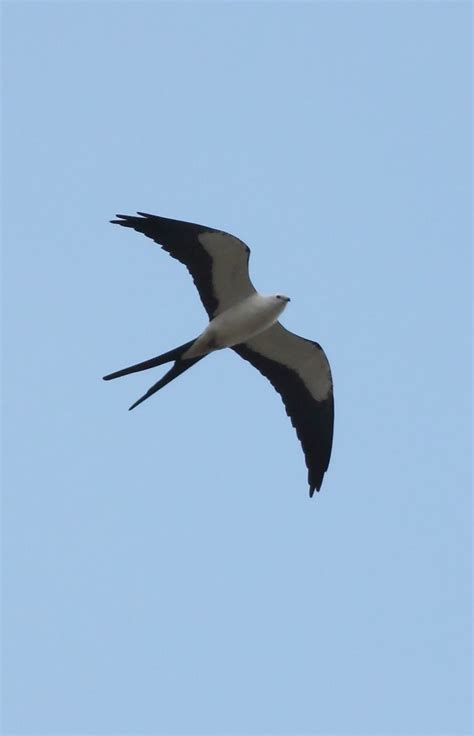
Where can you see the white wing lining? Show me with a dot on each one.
(230, 274)
(302, 356)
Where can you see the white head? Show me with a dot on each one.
(280, 301)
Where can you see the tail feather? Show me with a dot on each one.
(179, 367)
(152, 363)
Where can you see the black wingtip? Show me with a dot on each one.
(123, 219)
(127, 220)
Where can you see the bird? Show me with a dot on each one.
(246, 321)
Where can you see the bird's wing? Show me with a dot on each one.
(299, 370)
(217, 261)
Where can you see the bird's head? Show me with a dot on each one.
(278, 302)
(282, 299)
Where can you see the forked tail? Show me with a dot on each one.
(152, 363)
(180, 366)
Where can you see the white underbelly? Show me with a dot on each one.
(237, 324)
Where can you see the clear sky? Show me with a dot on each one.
(165, 570)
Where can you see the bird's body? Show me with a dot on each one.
(238, 323)
(247, 322)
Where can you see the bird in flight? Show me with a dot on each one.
(246, 321)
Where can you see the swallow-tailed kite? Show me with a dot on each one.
(246, 321)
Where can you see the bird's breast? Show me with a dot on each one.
(244, 320)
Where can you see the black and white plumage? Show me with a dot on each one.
(246, 321)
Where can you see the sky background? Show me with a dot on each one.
(165, 570)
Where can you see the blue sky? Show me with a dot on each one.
(165, 570)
